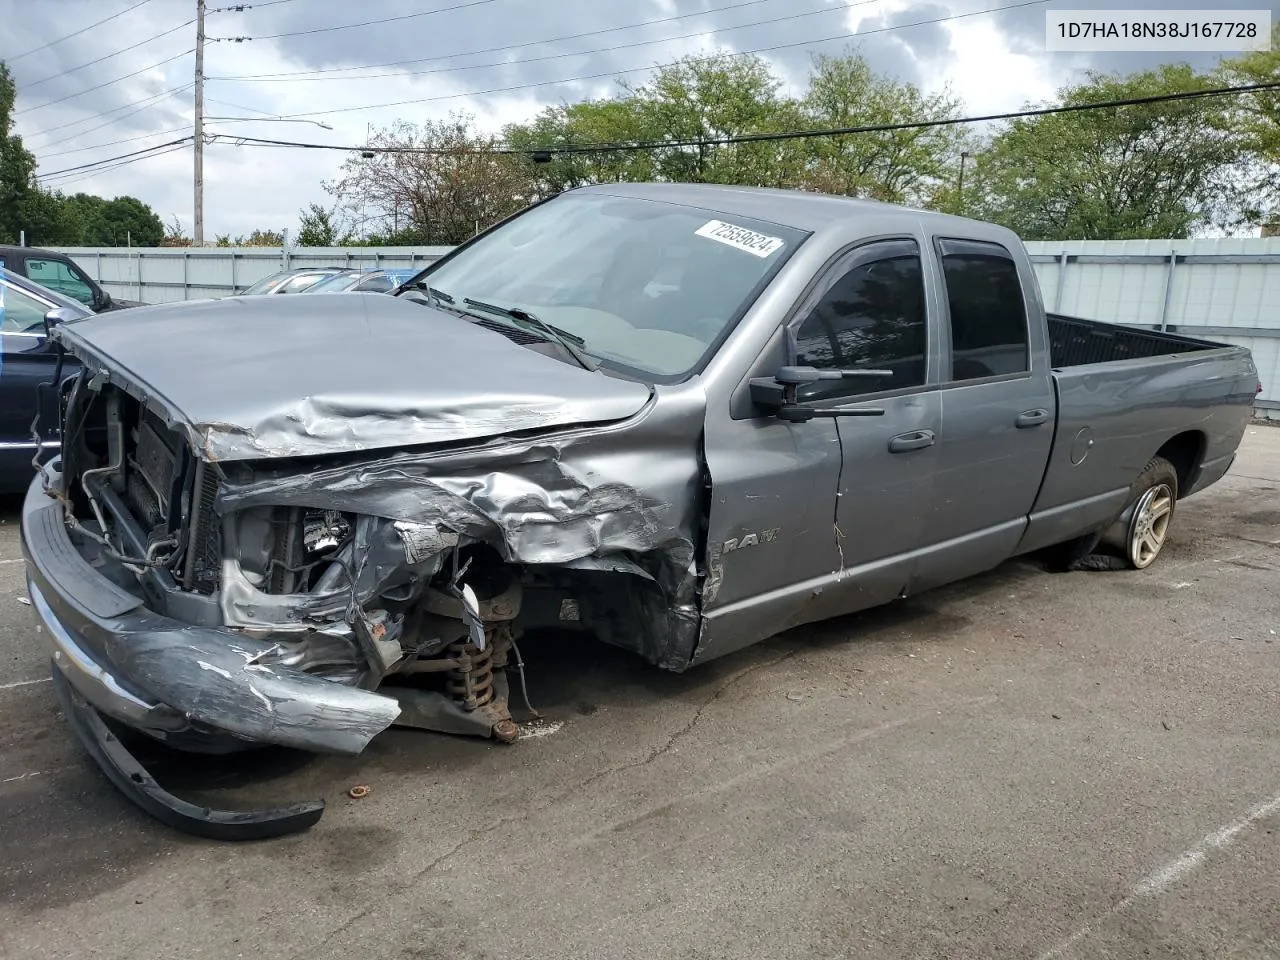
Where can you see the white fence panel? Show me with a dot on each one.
(168, 274)
(1226, 290)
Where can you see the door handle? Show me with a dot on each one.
(1031, 418)
(916, 440)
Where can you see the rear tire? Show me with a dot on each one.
(1139, 535)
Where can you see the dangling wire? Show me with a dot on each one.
(524, 689)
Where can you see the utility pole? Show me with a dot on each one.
(197, 230)
(964, 155)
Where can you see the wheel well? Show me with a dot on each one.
(1185, 452)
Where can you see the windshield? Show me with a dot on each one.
(335, 283)
(265, 284)
(645, 286)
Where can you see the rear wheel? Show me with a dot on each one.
(1143, 529)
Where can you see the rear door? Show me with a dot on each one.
(998, 411)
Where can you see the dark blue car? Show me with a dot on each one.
(27, 360)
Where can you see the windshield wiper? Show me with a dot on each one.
(439, 296)
(563, 338)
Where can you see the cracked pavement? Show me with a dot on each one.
(1021, 765)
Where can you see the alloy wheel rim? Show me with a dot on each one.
(1150, 525)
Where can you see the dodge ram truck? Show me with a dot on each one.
(680, 418)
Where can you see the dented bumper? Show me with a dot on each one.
(177, 682)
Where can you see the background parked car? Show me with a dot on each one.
(60, 273)
(26, 361)
(291, 281)
(362, 281)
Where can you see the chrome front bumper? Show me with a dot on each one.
(173, 680)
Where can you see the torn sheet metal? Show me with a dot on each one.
(617, 508)
(338, 374)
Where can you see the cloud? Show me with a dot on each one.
(992, 61)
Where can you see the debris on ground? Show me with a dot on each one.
(539, 727)
(359, 792)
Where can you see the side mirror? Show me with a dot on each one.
(777, 395)
(101, 300)
(58, 315)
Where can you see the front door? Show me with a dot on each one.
(810, 520)
(869, 314)
(998, 411)
(26, 362)
(66, 279)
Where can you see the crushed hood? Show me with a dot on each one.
(253, 378)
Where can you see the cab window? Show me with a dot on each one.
(58, 276)
(989, 336)
(868, 312)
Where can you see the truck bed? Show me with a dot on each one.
(1074, 342)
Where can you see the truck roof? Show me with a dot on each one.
(792, 208)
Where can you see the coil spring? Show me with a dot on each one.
(474, 687)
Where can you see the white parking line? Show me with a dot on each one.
(1166, 876)
(1174, 870)
(23, 683)
(33, 773)
(19, 560)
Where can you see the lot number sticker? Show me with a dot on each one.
(756, 244)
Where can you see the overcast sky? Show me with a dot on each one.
(72, 110)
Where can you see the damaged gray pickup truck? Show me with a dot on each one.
(682, 418)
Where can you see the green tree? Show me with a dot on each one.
(711, 98)
(319, 227)
(1255, 117)
(914, 166)
(262, 238)
(121, 222)
(1151, 170)
(589, 123)
(17, 169)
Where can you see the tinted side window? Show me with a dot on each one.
(988, 319)
(56, 275)
(375, 285)
(872, 316)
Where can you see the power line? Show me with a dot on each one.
(133, 46)
(237, 106)
(76, 34)
(549, 151)
(107, 83)
(112, 143)
(372, 23)
(123, 156)
(621, 46)
(618, 73)
(77, 178)
(302, 74)
(242, 7)
(136, 108)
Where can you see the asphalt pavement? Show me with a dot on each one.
(1026, 765)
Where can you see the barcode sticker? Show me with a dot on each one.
(756, 244)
